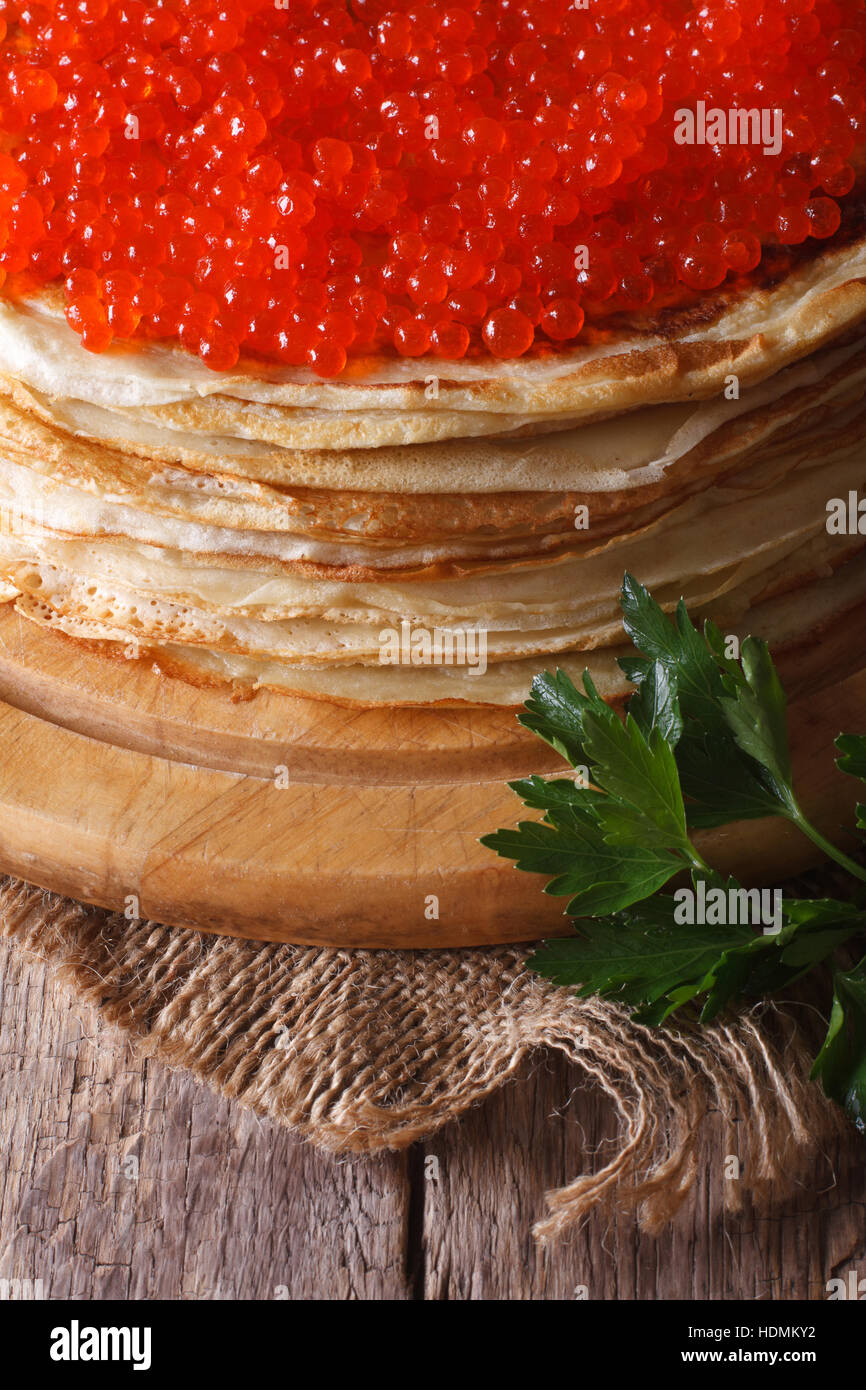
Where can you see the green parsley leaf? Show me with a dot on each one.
(841, 1064)
(597, 877)
(679, 647)
(640, 772)
(756, 716)
(645, 957)
(656, 706)
(721, 778)
(853, 759)
(704, 742)
(639, 957)
(719, 787)
(542, 795)
(553, 711)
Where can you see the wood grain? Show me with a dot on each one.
(222, 1205)
(227, 1206)
(373, 841)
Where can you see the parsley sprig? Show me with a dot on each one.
(704, 743)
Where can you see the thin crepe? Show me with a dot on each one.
(751, 331)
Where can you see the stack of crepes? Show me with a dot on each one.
(664, 376)
(262, 528)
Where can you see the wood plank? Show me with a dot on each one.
(229, 1206)
(224, 1205)
(534, 1135)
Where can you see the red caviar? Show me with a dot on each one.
(312, 180)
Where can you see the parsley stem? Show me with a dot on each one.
(826, 845)
(696, 860)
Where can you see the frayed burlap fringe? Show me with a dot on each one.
(366, 1050)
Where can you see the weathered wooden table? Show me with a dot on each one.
(122, 1179)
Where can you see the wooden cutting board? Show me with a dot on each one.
(298, 820)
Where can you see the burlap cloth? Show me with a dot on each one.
(360, 1051)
